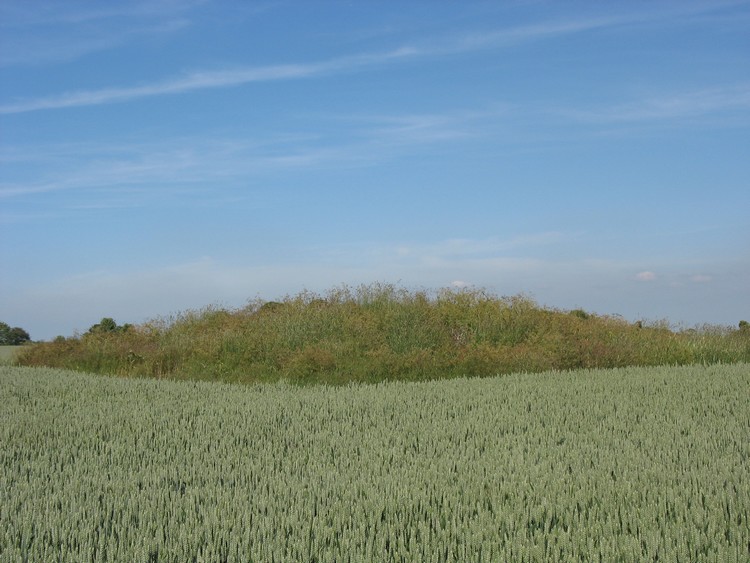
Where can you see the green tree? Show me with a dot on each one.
(12, 336)
(108, 324)
(18, 336)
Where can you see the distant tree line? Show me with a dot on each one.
(12, 336)
(108, 324)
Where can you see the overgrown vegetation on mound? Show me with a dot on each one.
(381, 332)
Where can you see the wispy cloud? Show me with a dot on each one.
(563, 27)
(362, 140)
(202, 80)
(208, 79)
(392, 132)
(47, 48)
(33, 12)
(107, 170)
(528, 33)
(157, 169)
(470, 257)
(467, 248)
(669, 106)
(46, 32)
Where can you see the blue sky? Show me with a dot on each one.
(164, 155)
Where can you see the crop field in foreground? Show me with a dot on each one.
(630, 464)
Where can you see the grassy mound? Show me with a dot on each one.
(383, 332)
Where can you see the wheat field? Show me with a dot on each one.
(629, 464)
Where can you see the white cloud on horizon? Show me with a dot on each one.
(645, 276)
